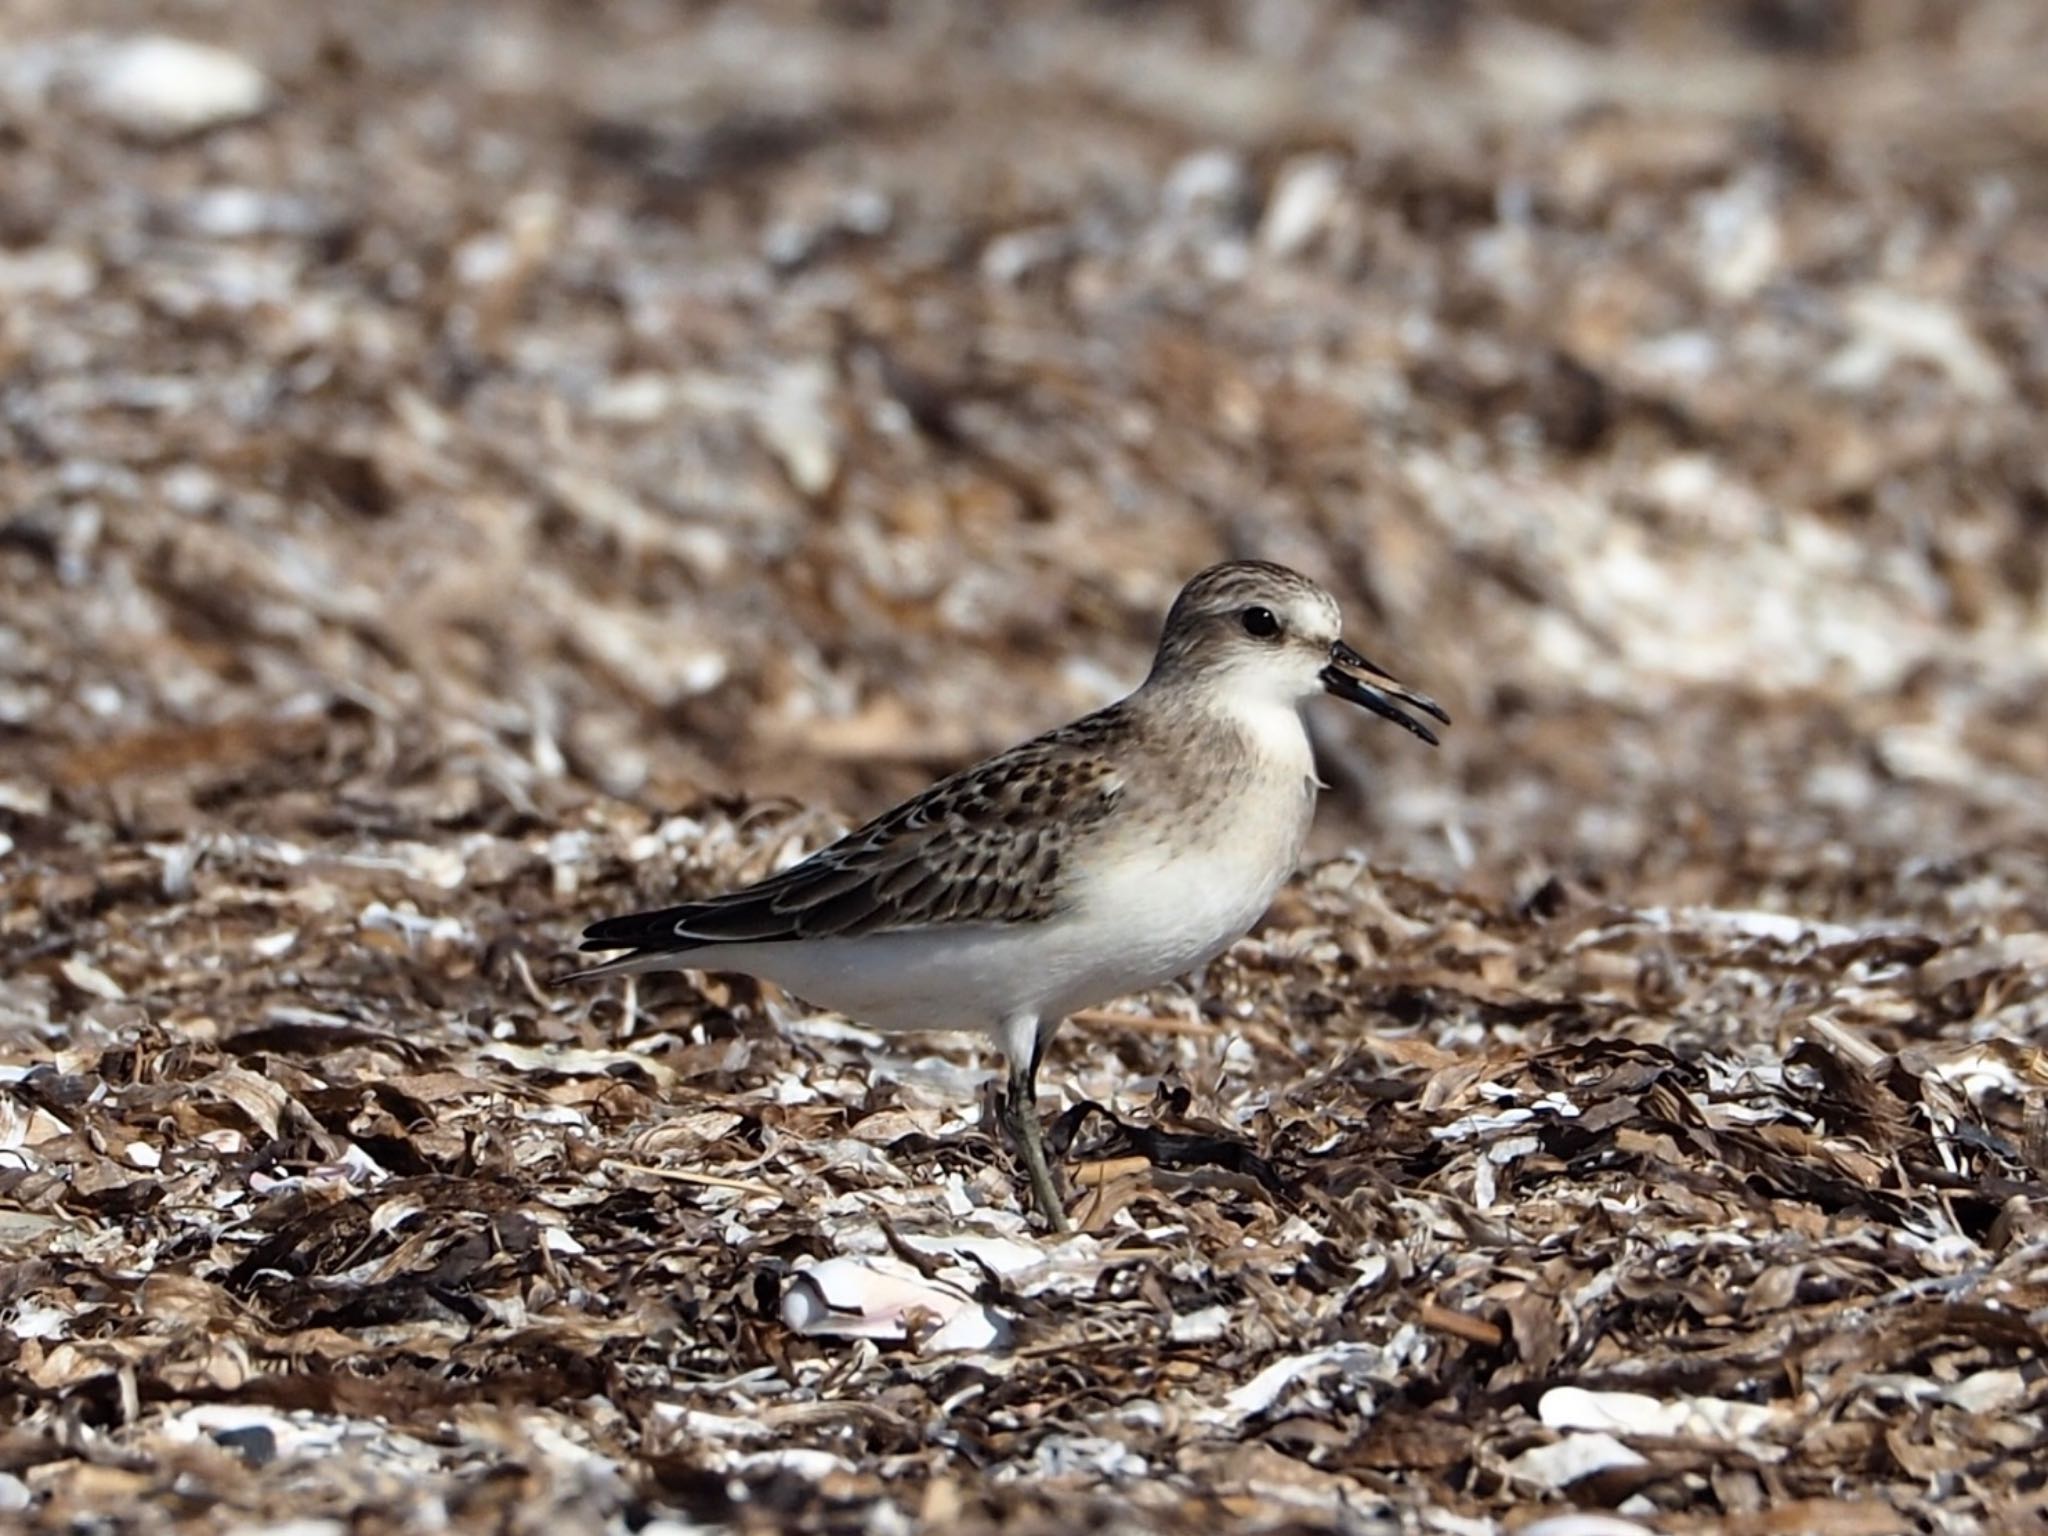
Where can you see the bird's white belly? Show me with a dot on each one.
(1158, 920)
(1139, 919)
(969, 977)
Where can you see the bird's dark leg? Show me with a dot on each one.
(1021, 1106)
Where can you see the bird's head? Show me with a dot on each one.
(1269, 635)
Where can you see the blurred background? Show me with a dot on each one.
(433, 416)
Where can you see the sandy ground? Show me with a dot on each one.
(465, 470)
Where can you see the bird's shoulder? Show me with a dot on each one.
(988, 844)
(1064, 778)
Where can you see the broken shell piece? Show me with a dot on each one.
(1572, 1460)
(163, 88)
(861, 1299)
(1710, 1419)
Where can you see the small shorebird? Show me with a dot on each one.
(1105, 857)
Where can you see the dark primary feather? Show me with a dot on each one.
(986, 845)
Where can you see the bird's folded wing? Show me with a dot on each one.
(988, 845)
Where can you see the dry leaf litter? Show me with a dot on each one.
(465, 470)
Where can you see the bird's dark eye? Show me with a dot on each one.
(1260, 623)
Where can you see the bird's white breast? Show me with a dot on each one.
(1177, 890)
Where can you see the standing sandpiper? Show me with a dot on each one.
(1105, 857)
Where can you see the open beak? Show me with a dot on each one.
(1350, 676)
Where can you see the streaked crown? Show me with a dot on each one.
(1237, 584)
(1248, 612)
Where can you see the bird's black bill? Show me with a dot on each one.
(1350, 676)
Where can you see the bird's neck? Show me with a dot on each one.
(1226, 725)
